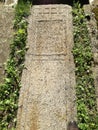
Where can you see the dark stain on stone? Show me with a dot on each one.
(34, 117)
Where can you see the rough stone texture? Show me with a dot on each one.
(92, 27)
(47, 97)
(6, 34)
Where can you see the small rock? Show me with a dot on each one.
(72, 125)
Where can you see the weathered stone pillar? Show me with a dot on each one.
(6, 36)
(93, 2)
(47, 97)
(11, 2)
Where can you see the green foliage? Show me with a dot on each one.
(9, 91)
(86, 97)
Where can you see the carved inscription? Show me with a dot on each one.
(52, 42)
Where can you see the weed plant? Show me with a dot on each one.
(9, 91)
(82, 51)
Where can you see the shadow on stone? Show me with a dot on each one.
(69, 2)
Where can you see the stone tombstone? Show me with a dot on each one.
(47, 96)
